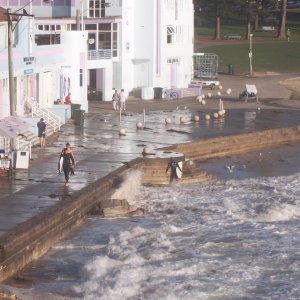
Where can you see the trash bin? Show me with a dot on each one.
(158, 92)
(79, 116)
(230, 69)
(21, 159)
(73, 107)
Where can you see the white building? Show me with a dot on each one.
(130, 44)
(156, 43)
(43, 74)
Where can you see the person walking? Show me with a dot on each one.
(123, 100)
(115, 100)
(67, 162)
(41, 125)
(288, 34)
(173, 165)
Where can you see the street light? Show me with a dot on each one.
(250, 53)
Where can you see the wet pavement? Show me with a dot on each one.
(99, 149)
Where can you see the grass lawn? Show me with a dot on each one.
(282, 57)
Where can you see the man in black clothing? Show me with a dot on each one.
(42, 132)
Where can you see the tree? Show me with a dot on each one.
(282, 23)
(215, 10)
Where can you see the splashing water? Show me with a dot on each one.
(130, 188)
(224, 240)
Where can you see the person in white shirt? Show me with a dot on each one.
(123, 100)
(115, 100)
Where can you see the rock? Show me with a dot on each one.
(207, 117)
(139, 125)
(168, 120)
(216, 115)
(122, 131)
(147, 150)
(182, 120)
(196, 118)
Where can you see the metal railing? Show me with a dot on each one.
(99, 54)
(50, 118)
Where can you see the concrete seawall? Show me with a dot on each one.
(33, 238)
(228, 145)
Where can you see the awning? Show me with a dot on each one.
(11, 127)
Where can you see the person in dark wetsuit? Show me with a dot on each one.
(68, 162)
(173, 165)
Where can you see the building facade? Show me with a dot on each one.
(128, 44)
(43, 74)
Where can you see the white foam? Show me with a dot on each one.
(130, 187)
(280, 213)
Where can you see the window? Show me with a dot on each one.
(47, 39)
(96, 9)
(170, 34)
(90, 26)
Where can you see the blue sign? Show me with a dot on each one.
(28, 71)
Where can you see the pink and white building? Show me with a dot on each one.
(81, 45)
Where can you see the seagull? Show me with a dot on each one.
(185, 107)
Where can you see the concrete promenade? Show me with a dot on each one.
(100, 150)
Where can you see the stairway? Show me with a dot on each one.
(135, 94)
(187, 93)
(29, 138)
(49, 117)
(155, 173)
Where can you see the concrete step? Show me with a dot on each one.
(28, 135)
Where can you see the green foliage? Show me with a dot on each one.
(279, 56)
(236, 24)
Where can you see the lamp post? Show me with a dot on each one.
(250, 52)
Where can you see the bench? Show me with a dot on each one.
(268, 28)
(232, 37)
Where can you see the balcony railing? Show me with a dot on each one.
(99, 54)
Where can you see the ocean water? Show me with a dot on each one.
(234, 239)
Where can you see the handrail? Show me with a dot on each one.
(50, 118)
